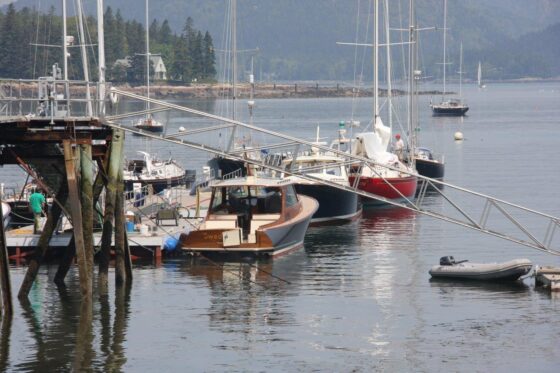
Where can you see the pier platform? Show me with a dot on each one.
(548, 277)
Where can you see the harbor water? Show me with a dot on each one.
(358, 297)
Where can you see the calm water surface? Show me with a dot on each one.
(357, 298)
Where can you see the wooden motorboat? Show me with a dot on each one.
(505, 271)
(256, 215)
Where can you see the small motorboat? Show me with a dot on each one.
(507, 271)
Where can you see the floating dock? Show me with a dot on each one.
(548, 277)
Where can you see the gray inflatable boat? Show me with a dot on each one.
(506, 271)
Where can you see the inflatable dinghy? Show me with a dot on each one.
(506, 271)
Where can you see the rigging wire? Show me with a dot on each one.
(36, 40)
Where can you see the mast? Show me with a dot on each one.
(251, 102)
(411, 77)
(389, 82)
(234, 52)
(89, 109)
(101, 57)
(375, 62)
(64, 41)
(148, 58)
(461, 71)
(444, 46)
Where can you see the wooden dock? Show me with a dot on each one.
(548, 277)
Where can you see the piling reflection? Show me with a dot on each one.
(113, 337)
(84, 354)
(6, 333)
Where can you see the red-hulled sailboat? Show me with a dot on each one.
(397, 182)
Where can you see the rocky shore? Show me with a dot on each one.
(264, 90)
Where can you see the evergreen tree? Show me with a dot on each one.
(209, 58)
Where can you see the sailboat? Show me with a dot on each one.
(449, 106)
(479, 76)
(148, 123)
(223, 165)
(397, 182)
(424, 160)
(335, 205)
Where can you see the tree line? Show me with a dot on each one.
(31, 43)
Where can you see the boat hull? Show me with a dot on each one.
(388, 188)
(507, 271)
(335, 205)
(158, 185)
(430, 168)
(150, 128)
(449, 111)
(224, 166)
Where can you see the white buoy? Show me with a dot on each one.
(458, 136)
(182, 129)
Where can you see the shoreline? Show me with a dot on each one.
(265, 90)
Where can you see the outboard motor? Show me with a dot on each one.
(447, 261)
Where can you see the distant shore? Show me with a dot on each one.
(284, 90)
(264, 90)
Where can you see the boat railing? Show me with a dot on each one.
(234, 174)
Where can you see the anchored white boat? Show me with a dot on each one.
(506, 271)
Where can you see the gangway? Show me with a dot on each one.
(467, 208)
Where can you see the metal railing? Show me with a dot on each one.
(526, 226)
(47, 98)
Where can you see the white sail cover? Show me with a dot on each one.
(373, 145)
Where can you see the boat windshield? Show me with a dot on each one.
(242, 199)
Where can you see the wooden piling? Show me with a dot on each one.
(86, 196)
(77, 225)
(120, 267)
(6, 284)
(65, 263)
(110, 196)
(43, 244)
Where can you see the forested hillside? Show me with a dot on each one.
(31, 42)
(297, 38)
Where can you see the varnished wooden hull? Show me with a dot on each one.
(272, 240)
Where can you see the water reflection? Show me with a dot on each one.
(449, 287)
(62, 331)
(245, 298)
(6, 331)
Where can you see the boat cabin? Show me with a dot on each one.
(250, 214)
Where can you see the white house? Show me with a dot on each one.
(160, 72)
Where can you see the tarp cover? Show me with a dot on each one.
(373, 145)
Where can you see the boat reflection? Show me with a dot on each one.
(388, 221)
(245, 295)
(451, 286)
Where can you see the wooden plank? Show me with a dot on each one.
(76, 213)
